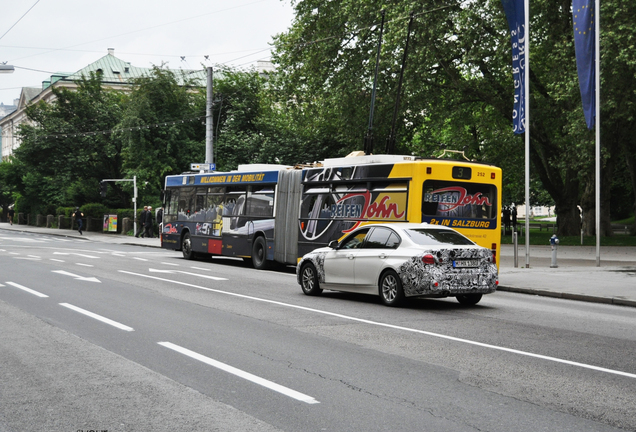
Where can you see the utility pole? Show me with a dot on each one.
(209, 120)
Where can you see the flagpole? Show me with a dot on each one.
(597, 77)
(526, 34)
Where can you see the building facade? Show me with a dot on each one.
(116, 74)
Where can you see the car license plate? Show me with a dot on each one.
(466, 263)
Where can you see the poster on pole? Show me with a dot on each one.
(110, 223)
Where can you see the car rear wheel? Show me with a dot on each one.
(186, 247)
(391, 290)
(469, 299)
(309, 280)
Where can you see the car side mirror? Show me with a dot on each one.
(333, 244)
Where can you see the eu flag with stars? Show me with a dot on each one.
(584, 39)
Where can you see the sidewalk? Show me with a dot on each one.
(575, 278)
(86, 235)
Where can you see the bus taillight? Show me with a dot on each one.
(494, 253)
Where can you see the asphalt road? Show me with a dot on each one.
(106, 337)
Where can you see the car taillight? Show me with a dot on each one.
(428, 259)
(494, 253)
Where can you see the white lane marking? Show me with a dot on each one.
(185, 272)
(140, 259)
(56, 260)
(200, 268)
(29, 290)
(34, 256)
(75, 253)
(28, 258)
(170, 264)
(118, 254)
(242, 374)
(396, 327)
(97, 317)
(14, 253)
(77, 277)
(85, 265)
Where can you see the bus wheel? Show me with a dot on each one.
(469, 299)
(259, 253)
(309, 280)
(391, 289)
(186, 247)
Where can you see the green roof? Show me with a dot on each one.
(117, 71)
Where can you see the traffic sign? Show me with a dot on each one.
(203, 166)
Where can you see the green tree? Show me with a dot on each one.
(68, 146)
(161, 130)
(458, 88)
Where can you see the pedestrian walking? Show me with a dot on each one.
(142, 218)
(148, 223)
(160, 220)
(78, 215)
(11, 213)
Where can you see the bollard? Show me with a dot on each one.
(554, 241)
(516, 249)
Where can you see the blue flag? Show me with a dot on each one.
(516, 23)
(584, 38)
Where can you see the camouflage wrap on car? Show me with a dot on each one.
(418, 279)
(318, 260)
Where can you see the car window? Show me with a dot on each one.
(355, 241)
(432, 236)
(393, 242)
(378, 238)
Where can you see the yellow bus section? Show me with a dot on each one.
(486, 233)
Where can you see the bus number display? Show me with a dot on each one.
(463, 173)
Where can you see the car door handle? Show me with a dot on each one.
(382, 256)
(350, 256)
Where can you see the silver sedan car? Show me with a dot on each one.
(401, 260)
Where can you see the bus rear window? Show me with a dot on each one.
(459, 199)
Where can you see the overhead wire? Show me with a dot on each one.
(20, 19)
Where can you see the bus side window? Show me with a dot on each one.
(200, 205)
(186, 196)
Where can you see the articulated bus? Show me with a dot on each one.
(275, 214)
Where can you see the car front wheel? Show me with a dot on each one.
(469, 299)
(309, 280)
(391, 290)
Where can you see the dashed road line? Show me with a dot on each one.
(242, 374)
(97, 317)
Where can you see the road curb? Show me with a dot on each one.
(570, 296)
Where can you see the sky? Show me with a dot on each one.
(42, 37)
